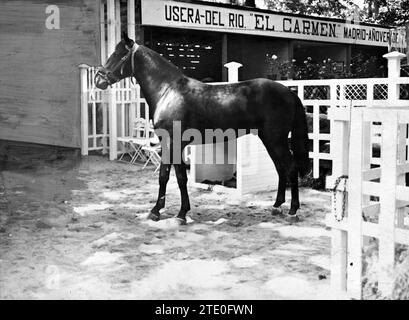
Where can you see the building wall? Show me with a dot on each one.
(197, 54)
(39, 78)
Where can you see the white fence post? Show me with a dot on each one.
(358, 160)
(233, 76)
(84, 108)
(394, 61)
(112, 122)
(104, 127)
(233, 71)
(401, 180)
(113, 148)
(388, 202)
(339, 150)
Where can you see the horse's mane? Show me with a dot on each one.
(158, 64)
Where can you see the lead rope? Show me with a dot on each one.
(344, 197)
(342, 177)
(134, 48)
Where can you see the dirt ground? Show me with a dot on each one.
(80, 232)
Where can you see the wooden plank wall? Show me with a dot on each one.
(39, 77)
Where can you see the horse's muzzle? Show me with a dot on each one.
(101, 83)
(104, 78)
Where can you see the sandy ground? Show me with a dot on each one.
(81, 233)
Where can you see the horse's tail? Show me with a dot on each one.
(299, 139)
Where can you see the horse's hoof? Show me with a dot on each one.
(181, 221)
(277, 211)
(292, 219)
(154, 217)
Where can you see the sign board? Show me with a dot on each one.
(174, 14)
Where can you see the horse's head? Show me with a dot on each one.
(119, 65)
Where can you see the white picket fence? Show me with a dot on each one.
(107, 115)
(376, 197)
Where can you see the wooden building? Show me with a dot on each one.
(42, 43)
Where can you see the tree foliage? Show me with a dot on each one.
(390, 12)
(385, 12)
(323, 8)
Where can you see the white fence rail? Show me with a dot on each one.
(321, 96)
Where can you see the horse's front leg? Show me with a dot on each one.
(181, 176)
(164, 172)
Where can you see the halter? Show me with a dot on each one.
(109, 76)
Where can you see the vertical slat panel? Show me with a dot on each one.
(94, 124)
(112, 125)
(84, 108)
(316, 141)
(340, 151)
(138, 102)
(132, 106)
(401, 178)
(356, 165)
(370, 93)
(104, 128)
(123, 119)
(388, 202)
(111, 92)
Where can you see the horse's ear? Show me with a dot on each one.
(125, 36)
(127, 40)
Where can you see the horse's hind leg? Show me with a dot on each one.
(164, 172)
(181, 176)
(282, 184)
(287, 171)
(295, 201)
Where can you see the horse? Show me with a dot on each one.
(262, 104)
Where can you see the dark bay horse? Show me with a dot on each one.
(260, 104)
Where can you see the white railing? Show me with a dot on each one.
(107, 115)
(94, 119)
(321, 96)
(376, 198)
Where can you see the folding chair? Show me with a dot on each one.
(140, 139)
(152, 149)
(128, 149)
(134, 143)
